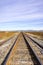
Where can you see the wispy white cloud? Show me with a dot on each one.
(6, 18)
(21, 10)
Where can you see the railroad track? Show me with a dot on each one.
(8, 51)
(36, 47)
(22, 53)
(39, 44)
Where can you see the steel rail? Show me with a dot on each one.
(35, 41)
(39, 62)
(7, 56)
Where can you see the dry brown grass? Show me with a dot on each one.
(37, 34)
(6, 34)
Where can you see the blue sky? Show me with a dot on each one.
(21, 14)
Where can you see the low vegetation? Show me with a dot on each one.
(5, 34)
(37, 34)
